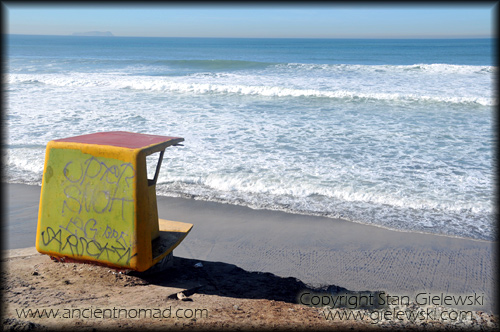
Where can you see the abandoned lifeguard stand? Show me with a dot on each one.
(97, 203)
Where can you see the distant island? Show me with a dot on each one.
(94, 34)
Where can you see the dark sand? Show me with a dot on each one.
(317, 251)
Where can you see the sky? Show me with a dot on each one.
(256, 20)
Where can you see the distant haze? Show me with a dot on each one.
(94, 33)
(255, 21)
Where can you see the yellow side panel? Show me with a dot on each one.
(87, 208)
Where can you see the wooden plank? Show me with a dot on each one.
(171, 235)
(174, 226)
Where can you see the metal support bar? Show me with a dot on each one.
(153, 182)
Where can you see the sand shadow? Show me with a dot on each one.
(223, 279)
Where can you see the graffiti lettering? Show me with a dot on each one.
(49, 235)
(93, 193)
(83, 239)
(97, 210)
(88, 229)
(93, 167)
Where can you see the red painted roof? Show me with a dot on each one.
(122, 139)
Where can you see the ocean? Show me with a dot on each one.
(393, 133)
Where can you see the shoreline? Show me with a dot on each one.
(332, 218)
(306, 215)
(318, 251)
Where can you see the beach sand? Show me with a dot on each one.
(255, 264)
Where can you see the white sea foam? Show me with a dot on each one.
(228, 84)
(429, 68)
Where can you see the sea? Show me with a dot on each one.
(397, 133)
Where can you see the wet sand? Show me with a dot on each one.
(317, 251)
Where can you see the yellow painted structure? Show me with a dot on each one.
(97, 203)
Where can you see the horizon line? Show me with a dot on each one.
(213, 37)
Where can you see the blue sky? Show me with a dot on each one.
(256, 20)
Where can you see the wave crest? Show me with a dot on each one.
(164, 85)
